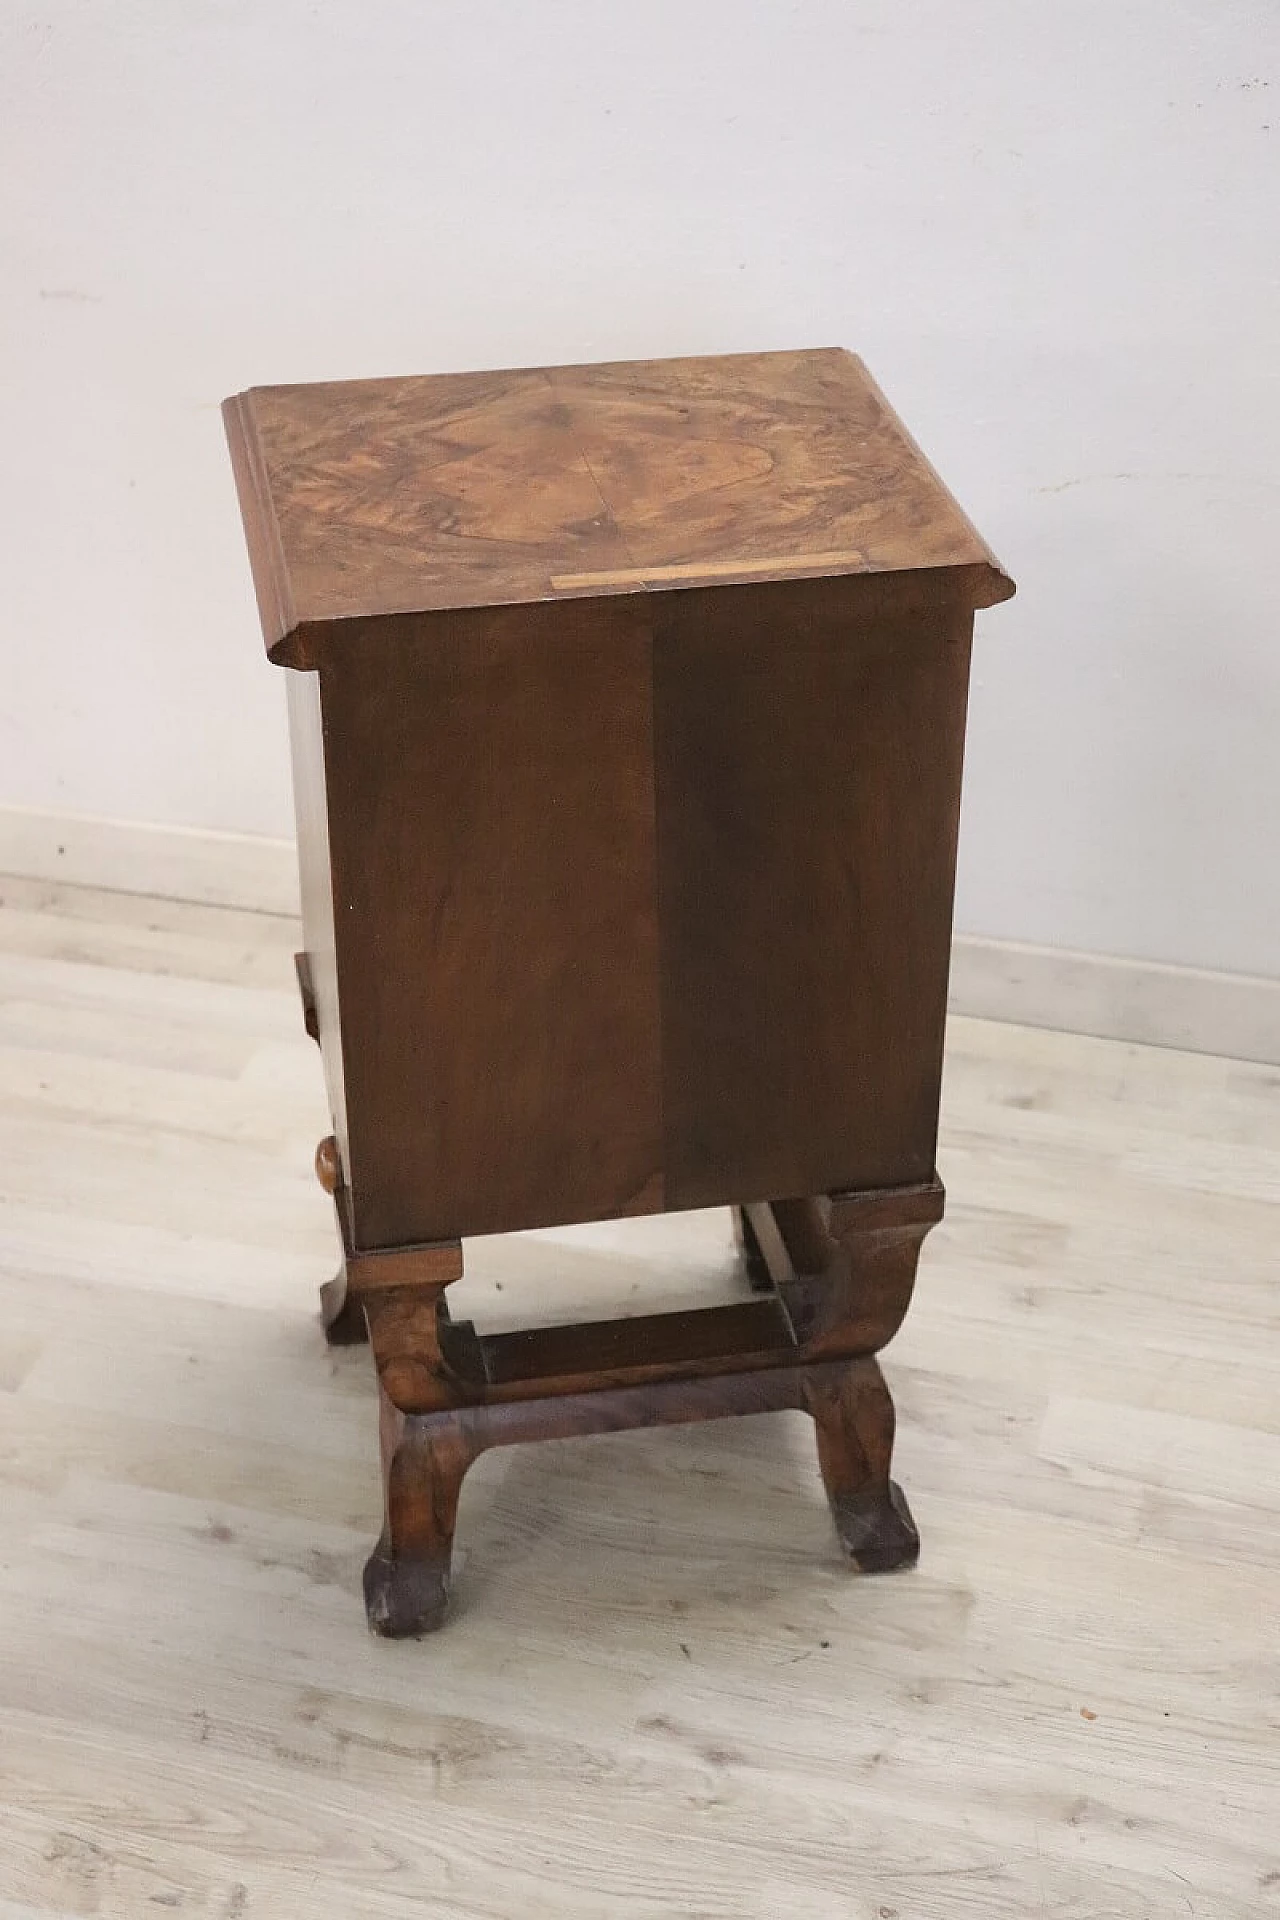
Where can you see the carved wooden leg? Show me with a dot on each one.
(854, 1417)
(406, 1579)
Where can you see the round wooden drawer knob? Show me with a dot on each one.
(328, 1165)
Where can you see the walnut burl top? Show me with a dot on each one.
(370, 498)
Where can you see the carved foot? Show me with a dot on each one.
(854, 1417)
(406, 1594)
(406, 1580)
(341, 1314)
(879, 1535)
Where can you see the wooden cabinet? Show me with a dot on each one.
(627, 707)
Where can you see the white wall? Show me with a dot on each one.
(1052, 229)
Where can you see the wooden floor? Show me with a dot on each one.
(662, 1693)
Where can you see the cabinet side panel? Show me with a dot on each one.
(491, 808)
(809, 743)
(310, 804)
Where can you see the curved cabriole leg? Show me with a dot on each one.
(854, 1417)
(341, 1314)
(407, 1576)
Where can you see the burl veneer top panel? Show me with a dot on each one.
(367, 498)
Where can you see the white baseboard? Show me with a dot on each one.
(1138, 1000)
(177, 863)
(1145, 1001)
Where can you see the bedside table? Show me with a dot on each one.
(627, 710)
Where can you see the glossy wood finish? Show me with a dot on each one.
(629, 777)
(548, 844)
(492, 839)
(408, 1577)
(562, 841)
(809, 744)
(374, 497)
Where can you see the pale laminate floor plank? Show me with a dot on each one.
(208, 931)
(152, 937)
(662, 1693)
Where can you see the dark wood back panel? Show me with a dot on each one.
(492, 826)
(809, 741)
